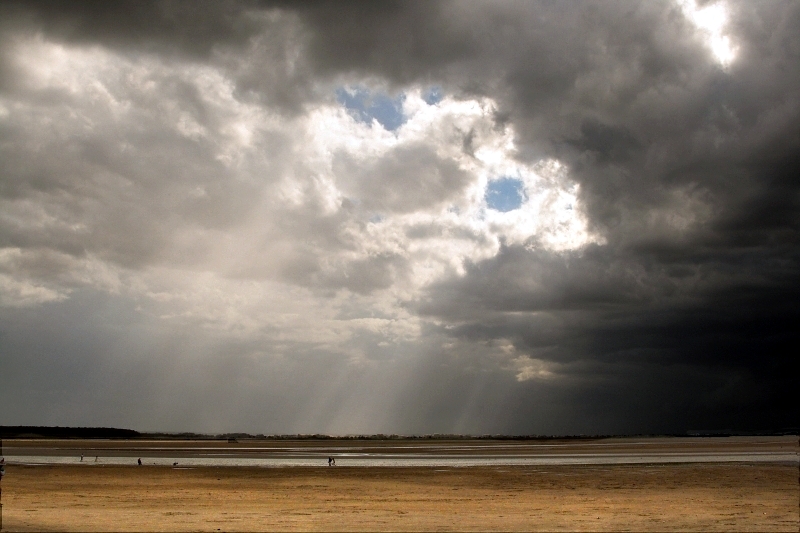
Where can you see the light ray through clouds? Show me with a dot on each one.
(256, 284)
(419, 218)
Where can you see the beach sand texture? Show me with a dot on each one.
(707, 497)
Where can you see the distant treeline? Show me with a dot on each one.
(50, 432)
(379, 436)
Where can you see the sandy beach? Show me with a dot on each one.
(708, 497)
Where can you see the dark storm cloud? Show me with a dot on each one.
(626, 93)
(712, 337)
(177, 31)
(192, 28)
(690, 171)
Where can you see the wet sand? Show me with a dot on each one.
(707, 497)
(319, 449)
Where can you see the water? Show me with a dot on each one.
(399, 453)
(407, 459)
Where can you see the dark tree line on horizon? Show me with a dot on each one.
(58, 432)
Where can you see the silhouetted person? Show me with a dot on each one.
(139, 461)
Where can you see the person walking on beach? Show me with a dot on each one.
(81, 457)
(139, 461)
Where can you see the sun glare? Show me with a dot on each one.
(711, 20)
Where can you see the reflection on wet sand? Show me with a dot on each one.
(410, 452)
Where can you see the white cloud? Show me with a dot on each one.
(249, 223)
(22, 293)
(529, 369)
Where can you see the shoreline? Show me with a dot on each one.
(412, 453)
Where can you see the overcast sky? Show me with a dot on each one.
(413, 217)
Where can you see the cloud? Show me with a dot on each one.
(407, 179)
(200, 200)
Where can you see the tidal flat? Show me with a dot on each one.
(94, 495)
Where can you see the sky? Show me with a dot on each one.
(493, 217)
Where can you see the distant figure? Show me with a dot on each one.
(95, 458)
(330, 460)
(140, 461)
(333, 461)
(175, 463)
(81, 457)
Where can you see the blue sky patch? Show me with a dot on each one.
(505, 194)
(365, 105)
(433, 95)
